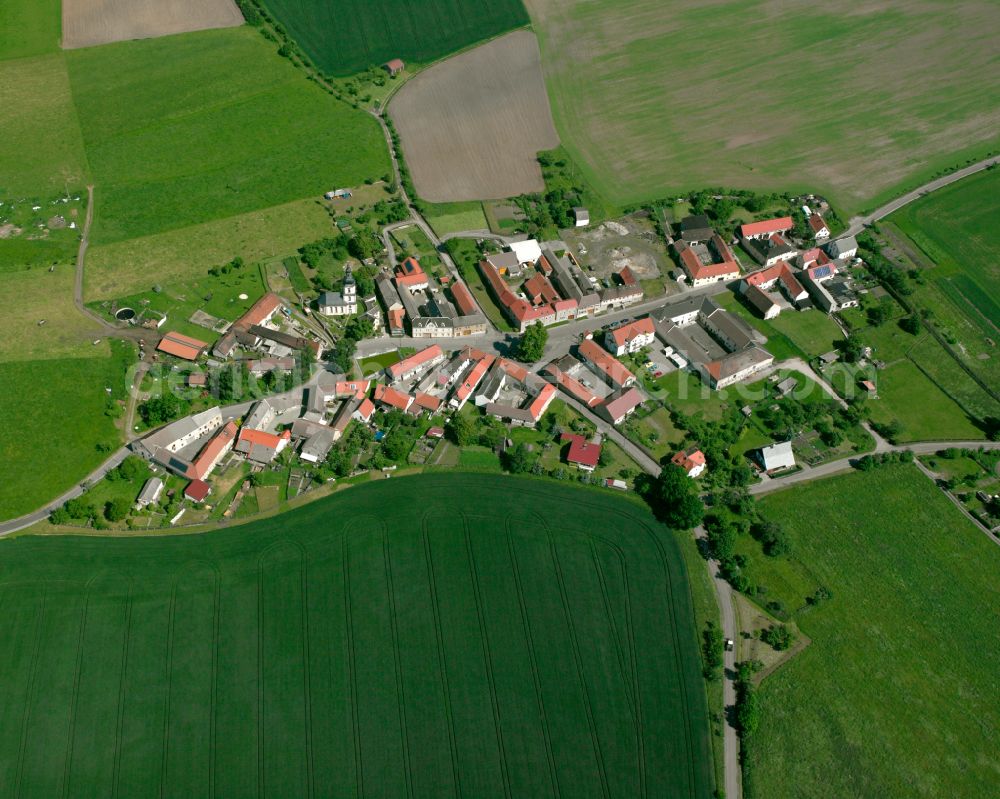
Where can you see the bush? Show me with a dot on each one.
(778, 637)
(115, 510)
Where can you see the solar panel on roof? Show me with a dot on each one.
(822, 271)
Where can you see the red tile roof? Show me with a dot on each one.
(627, 278)
(698, 271)
(767, 226)
(435, 432)
(210, 453)
(540, 290)
(365, 409)
(352, 388)
(473, 378)
(541, 403)
(617, 407)
(415, 361)
(426, 401)
(396, 317)
(781, 272)
(516, 371)
(817, 224)
(463, 298)
(519, 309)
(197, 490)
(262, 439)
(409, 273)
(181, 346)
(625, 333)
(394, 399)
(260, 311)
(689, 459)
(573, 387)
(582, 451)
(599, 358)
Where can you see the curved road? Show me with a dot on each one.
(859, 223)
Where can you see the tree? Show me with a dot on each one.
(364, 245)
(852, 348)
(772, 537)
(911, 324)
(59, 516)
(674, 498)
(531, 345)
(778, 637)
(157, 410)
(520, 459)
(747, 709)
(358, 328)
(129, 469)
(462, 430)
(712, 645)
(115, 510)
(397, 444)
(879, 314)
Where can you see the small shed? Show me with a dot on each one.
(582, 217)
(395, 66)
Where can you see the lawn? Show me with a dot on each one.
(350, 36)
(448, 218)
(437, 648)
(42, 151)
(127, 267)
(628, 81)
(54, 419)
(202, 126)
(895, 695)
(29, 27)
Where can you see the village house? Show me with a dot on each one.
(150, 493)
(213, 452)
(416, 364)
(389, 295)
(364, 412)
(390, 398)
(560, 370)
(631, 337)
(163, 445)
(756, 288)
(468, 384)
(771, 250)
(410, 275)
(819, 228)
(844, 248)
(261, 447)
(197, 490)
(616, 374)
(530, 412)
(259, 367)
(691, 460)
(705, 263)
(766, 228)
(619, 405)
(582, 454)
(260, 313)
(777, 456)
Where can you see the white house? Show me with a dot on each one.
(846, 247)
(527, 251)
(630, 337)
(150, 493)
(777, 456)
(819, 227)
(345, 303)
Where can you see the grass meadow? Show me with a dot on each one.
(29, 28)
(177, 256)
(188, 129)
(438, 648)
(351, 35)
(894, 696)
(42, 152)
(853, 102)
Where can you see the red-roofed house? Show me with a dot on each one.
(819, 228)
(350, 388)
(540, 290)
(388, 396)
(197, 490)
(540, 404)
(426, 402)
(435, 432)
(630, 337)
(582, 453)
(468, 383)
(364, 412)
(764, 229)
(415, 364)
(213, 452)
(617, 375)
(463, 298)
(723, 264)
(394, 66)
(181, 346)
(519, 311)
(411, 275)
(260, 312)
(572, 386)
(755, 286)
(260, 446)
(619, 406)
(691, 460)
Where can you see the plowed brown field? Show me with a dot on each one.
(471, 125)
(90, 22)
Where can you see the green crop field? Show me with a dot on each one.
(895, 696)
(187, 129)
(436, 649)
(348, 36)
(854, 102)
(29, 27)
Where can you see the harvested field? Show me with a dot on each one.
(851, 100)
(89, 22)
(472, 125)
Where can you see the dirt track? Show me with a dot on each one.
(90, 22)
(471, 125)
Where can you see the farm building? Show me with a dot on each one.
(581, 216)
(394, 66)
(150, 493)
(181, 346)
(707, 263)
(197, 490)
(766, 228)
